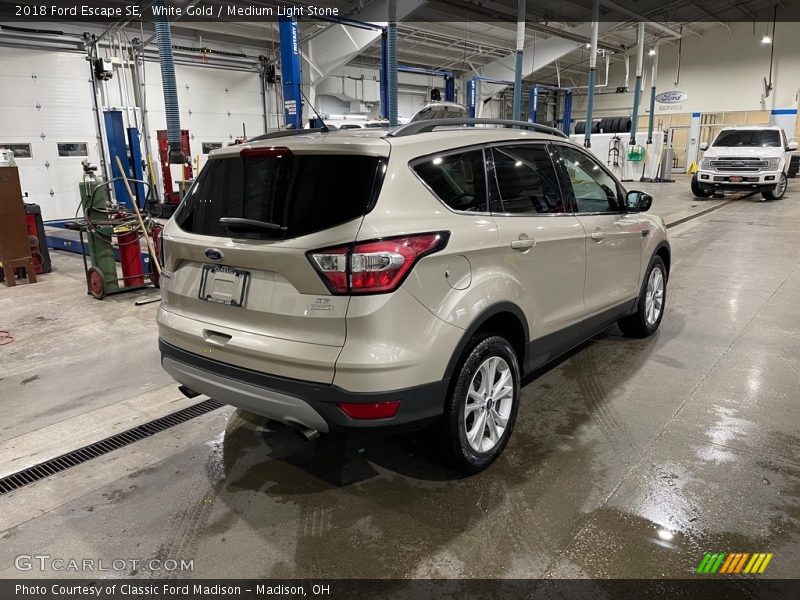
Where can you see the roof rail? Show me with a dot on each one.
(286, 133)
(428, 126)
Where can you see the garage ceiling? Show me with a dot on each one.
(463, 35)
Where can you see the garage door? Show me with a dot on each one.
(214, 103)
(46, 102)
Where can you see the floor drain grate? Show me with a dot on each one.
(109, 444)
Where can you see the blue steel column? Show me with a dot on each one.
(472, 92)
(517, 107)
(391, 52)
(449, 88)
(566, 123)
(533, 101)
(291, 75)
(384, 83)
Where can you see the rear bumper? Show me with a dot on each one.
(296, 402)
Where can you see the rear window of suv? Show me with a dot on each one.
(301, 193)
(752, 138)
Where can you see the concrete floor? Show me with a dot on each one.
(630, 458)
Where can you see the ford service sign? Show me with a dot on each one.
(671, 97)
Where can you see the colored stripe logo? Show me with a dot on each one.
(725, 563)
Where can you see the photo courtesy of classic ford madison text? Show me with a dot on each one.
(399, 299)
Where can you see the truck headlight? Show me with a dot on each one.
(772, 164)
(705, 164)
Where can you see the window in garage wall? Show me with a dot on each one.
(73, 149)
(19, 150)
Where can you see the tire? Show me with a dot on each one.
(485, 354)
(698, 191)
(625, 124)
(616, 124)
(778, 191)
(605, 125)
(596, 127)
(650, 306)
(580, 127)
(96, 283)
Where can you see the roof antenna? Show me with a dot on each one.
(324, 128)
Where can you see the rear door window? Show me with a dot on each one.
(301, 193)
(458, 179)
(526, 180)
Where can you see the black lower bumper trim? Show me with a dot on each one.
(419, 406)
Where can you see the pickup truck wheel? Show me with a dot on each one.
(778, 191)
(482, 406)
(698, 191)
(651, 304)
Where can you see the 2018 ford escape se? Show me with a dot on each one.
(391, 279)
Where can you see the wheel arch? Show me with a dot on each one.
(663, 250)
(505, 319)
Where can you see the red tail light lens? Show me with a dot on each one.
(370, 410)
(374, 267)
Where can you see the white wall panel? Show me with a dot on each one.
(58, 82)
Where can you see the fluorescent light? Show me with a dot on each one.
(588, 45)
(766, 39)
(652, 52)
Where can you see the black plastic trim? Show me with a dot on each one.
(420, 404)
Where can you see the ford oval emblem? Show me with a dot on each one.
(214, 254)
(673, 97)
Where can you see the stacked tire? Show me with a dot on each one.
(606, 125)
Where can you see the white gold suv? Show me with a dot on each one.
(363, 279)
(745, 159)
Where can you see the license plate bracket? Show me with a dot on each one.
(223, 285)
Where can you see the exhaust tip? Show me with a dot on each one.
(187, 392)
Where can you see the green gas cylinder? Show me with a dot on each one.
(94, 202)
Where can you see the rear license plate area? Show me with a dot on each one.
(223, 285)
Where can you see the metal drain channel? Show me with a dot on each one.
(120, 440)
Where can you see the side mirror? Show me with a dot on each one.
(639, 201)
(703, 146)
(792, 146)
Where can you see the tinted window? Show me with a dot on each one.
(593, 190)
(458, 179)
(526, 180)
(748, 138)
(302, 193)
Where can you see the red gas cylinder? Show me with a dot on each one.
(130, 258)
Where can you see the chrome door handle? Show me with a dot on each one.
(598, 236)
(523, 244)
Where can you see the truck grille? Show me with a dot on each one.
(739, 165)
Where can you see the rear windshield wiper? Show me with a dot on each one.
(238, 225)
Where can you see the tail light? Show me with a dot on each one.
(374, 267)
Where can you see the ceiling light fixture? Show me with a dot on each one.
(766, 39)
(652, 52)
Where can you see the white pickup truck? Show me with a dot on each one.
(741, 159)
